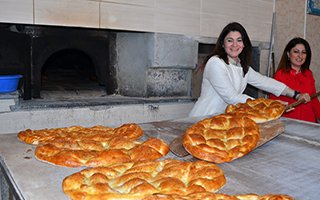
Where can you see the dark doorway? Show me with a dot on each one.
(69, 69)
(70, 73)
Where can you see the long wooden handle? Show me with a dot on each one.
(301, 101)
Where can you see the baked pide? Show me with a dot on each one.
(94, 146)
(221, 138)
(213, 196)
(138, 180)
(260, 110)
(80, 133)
(92, 154)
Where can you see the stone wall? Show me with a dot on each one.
(154, 64)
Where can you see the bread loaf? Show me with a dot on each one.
(221, 138)
(260, 110)
(137, 180)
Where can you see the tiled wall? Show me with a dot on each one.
(189, 17)
(290, 17)
(313, 37)
(16, 11)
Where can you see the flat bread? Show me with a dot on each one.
(80, 133)
(260, 110)
(92, 154)
(138, 180)
(213, 196)
(221, 138)
(78, 146)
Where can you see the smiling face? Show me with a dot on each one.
(233, 44)
(297, 56)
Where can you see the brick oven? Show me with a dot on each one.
(35, 51)
(120, 62)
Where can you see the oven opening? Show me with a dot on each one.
(70, 73)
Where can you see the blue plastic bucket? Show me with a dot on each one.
(9, 83)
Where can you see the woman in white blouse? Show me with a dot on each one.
(227, 72)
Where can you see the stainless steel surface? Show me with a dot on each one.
(288, 164)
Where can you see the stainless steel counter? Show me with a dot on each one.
(288, 164)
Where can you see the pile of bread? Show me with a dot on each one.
(94, 146)
(121, 166)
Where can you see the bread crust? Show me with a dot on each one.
(137, 180)
(221, 138)
(213, 196)
(78, 146)
(259, 110)
(80, 133)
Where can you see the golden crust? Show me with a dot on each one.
(264, 197)
(212, 196)
(95, 146)
(79, 133)
(73, 154)
(221, 138)
(260, 110)
(137, 180)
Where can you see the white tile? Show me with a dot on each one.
(178, 16)
(255, 16)
(148, 3)
(212, 25)
(16, 11)
(81, 13)
(186, 5)
(177, 21)
(127, 17)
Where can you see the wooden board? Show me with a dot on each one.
(270, 130)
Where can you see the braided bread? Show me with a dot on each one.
(137, 180)
(79, 133)
(96, 146)
(78, 153)
(212, 196)
(260, 110)
(221, 138)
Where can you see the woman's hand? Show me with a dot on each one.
(305, 97)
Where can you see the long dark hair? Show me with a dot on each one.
(246, 54)
(285, 62)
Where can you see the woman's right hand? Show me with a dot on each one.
(305, 97)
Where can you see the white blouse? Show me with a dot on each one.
(224, 84)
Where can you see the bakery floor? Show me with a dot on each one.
(288, 164)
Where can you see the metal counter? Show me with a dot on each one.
(289, 164)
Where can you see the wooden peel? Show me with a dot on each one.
(295, 104)
(268, 131)
(177, 148)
